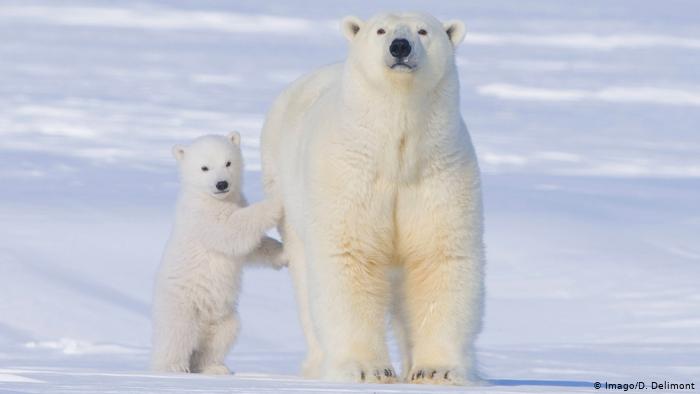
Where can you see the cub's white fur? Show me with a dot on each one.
(194, 308)
(382, 201)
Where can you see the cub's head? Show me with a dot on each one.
(405, 47)
(211, 164)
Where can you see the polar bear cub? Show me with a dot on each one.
(194, 309)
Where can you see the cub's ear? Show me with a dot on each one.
(234, 137)
(350, 26)
(178, 152)
(455, 31)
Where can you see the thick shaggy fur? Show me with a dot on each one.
(383, 210)
(194, 308)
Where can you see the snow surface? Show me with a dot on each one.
(584, 115)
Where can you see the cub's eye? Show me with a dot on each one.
(228, 164)
(422, 32)
(205, 168)
(381, 31)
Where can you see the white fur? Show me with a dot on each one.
(382, 206)
(194, 308)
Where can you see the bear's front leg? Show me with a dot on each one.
(347, 231)
(350, 296)
(443, 303)
(443, 282)
(349, 254)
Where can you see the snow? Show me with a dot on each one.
(584, 116)
(586, 40)
(157, 19)
(610, 94)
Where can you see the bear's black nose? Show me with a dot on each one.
(400, 47)
(222, 185)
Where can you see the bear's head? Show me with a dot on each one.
(403, 48)
(211, 165)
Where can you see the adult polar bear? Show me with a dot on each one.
(382, 204)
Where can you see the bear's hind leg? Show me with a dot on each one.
(293, 247)
(217, 339)
(175, 337)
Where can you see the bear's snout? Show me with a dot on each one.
(222, 185)
(400, 48)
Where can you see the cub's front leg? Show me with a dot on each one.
(244, 229)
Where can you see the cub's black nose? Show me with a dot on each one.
(400, 47)
(222, 185)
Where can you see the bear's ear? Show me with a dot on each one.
(178, 152)
(234, 137)
(350, 26)
(455, 31)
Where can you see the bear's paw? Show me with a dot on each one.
(360, 372)
(438, 375)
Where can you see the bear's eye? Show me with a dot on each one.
(228, 164)
(422, 32)
(381, 31)
(205, 168)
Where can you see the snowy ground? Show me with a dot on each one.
(585, 115)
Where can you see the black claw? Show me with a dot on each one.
(446, 374)
(413, 377)
(362, 375)
(421, 374)
(432, 375)
(387, 372)
(377, 374)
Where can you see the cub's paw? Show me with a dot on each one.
(438, 375)
(274, 250)
(280, 261)
(216, 369)
(362, 373)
